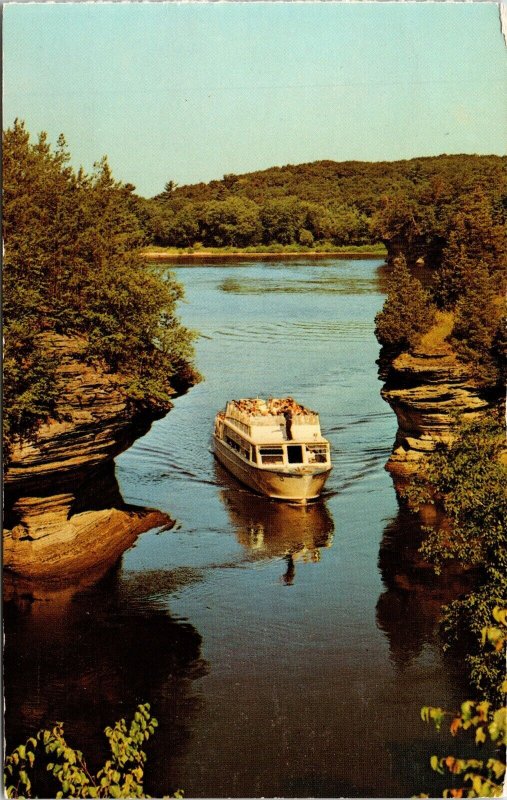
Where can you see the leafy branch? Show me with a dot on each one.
(121, 776)
(481, 777)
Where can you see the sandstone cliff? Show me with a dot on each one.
(63, 509)
(94, 420)
(426, 389)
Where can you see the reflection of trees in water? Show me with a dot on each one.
(275, 529)
(410, 608)
(88, 659)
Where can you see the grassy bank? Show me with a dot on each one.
(264, 251)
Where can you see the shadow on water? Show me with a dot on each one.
(273, 529)
(323, 284)
(88, 658)
(409, 610)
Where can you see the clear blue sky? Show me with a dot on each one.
(188, 91)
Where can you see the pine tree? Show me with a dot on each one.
(477, 327)
(407, 312)
(476, 238)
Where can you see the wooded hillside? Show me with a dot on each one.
(407, 205)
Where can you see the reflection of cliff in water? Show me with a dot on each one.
(410, 608)
(90, 658)
(274, 529)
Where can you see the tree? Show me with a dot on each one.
(306, 238)
(182, 230)
(319, 221)
(169, 189)
(405, 225)
(281, 220)
(478, 325)
(476, 238)
(231, 222)
(448, 279)
(407, 312)
(349, 226)
(72, 265)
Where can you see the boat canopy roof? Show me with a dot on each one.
(274, 420)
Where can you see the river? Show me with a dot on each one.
(285, 651)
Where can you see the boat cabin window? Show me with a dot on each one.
(295, 454)
(316, 453)
(271, 455)
(237, 442)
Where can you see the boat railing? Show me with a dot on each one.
(305, 419)
(253, 419)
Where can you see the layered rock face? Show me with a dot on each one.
(426, 391)
(94, 421)
(64, 512)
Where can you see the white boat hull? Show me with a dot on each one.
(297, 486)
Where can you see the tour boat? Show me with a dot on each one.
(274, 447)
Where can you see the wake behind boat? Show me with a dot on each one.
(274, 447)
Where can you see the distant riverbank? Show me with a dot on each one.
(290, 251)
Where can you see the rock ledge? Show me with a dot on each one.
(64, 512)
(426, 391)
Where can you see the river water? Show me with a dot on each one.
(286, 651)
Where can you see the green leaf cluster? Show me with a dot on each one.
(462, 237)
(481, 777)
(471, 282)
(122, 774)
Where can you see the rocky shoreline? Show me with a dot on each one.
(64, 513)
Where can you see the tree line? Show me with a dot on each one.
(409, 205)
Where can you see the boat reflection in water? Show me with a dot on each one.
(269, 529)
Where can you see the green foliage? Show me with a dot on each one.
(462, 626)
(409, 205)
(306, 238)
(72, 265)
(468, 480)
(233, 221)
(488, 724)
(407, 312)
(470, 281)
(478, 325)
(282, 219)
(405, 224)
(121, 776)
(477, 237)
(31, 387)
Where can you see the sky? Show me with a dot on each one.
(191, 91)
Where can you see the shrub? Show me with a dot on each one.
(121, 775)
